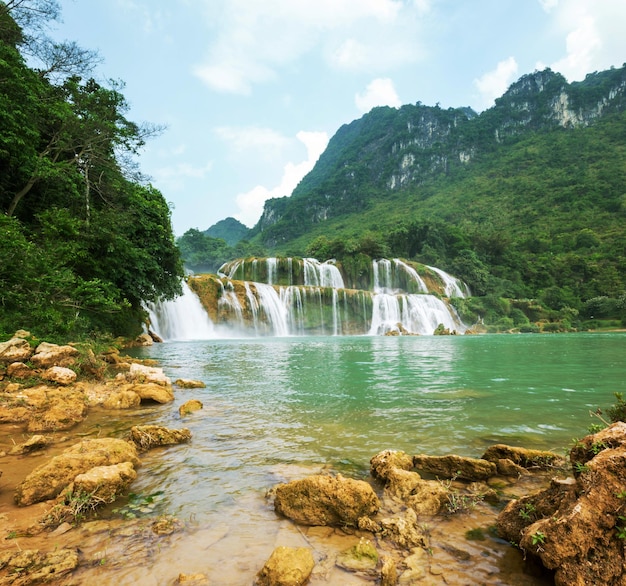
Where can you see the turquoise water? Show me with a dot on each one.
(337, 401)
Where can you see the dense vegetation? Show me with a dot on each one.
(84, 240)
(524, 201)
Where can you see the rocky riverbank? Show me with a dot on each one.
(509, 516)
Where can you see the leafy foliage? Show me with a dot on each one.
(83, 242)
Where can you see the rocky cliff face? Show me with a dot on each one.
(392, 149)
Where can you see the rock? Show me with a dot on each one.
(19, 370)
(35, 567)
(287, 566)
(425, 497)
(452, 466)
(153, 392)
(48, 480)
(146, 437)
(361, 557)
(189, 407)
(586, 449)
(140, 373)
(124, 399)
(106, 482)
(387, 460)
(388, 572)
(57, 409)
(192, 579)
(507, 467)
(15, 350)
(143, 340)
(59, 375)
(186, 383)
(47, 355)
(326, 500)
(36, 442)
(166, 525)
(403, 530)
(523, 457)
(576, 526)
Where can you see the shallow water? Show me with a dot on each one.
(281, 408)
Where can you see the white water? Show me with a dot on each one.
(320, 306)
(181, 319)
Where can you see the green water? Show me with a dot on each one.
(276, 402)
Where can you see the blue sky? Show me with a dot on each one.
(252, 90)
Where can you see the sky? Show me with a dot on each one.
(250, 91)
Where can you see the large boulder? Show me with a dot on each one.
(15, 350)
(140, 373)
(452, 466)
(577, 527)
(56, 409)
(48, 480)
(153, 392)
(47, 355)
(287, 566)
(326, 500)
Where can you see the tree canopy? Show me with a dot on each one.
(84, 240)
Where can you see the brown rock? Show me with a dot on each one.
(326, 500)
(523, 457)
(287, 566)
(106, 482)
(146, 437)
(15, 350)
(189, 407)
(186, 383)
(153, 392)
(507, 467)
(58, 409)
(36, 442)
(453, 466)
(124, 399)
(35, 567)
(59, 375)
(140, 373)
(19, 370)
(49, 479)
(47, 355)
(387, 460)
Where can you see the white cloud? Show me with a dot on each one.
(251, 137)
(251, 202)
(548, 5)
(255, 40)
(379, 92)
(173, 177)
(593, 33)
(494, 83)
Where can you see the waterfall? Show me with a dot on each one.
(302, 296)
(184, 318)
(453, 287)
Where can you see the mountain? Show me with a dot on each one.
(229, 229)
(525, 199)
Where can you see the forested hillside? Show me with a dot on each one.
(526, 200)
(84, 240)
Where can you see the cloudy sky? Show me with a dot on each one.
(252, 90)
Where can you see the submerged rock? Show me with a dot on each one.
(33, 444)
(287, 566)
(361, 557)
(34, 567)
(326, 500)
(186, 383)
(146, 437)
(190, 407)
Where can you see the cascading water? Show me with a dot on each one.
(184, 318)
(295, 297)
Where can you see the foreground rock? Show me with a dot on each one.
(146, 437)
(16, 349)
(48, 480)
(577, 526)
(22, 568)
(326, 500)
(287, 566)
(452, 466)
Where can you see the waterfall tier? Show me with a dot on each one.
(303, 296)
